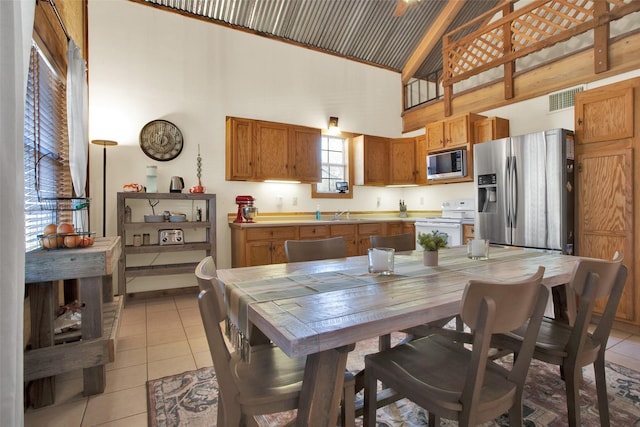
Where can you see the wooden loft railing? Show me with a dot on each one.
(534, 27)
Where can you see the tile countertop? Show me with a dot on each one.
(269, 220)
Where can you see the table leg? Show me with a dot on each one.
(322, 387)
(91, 292)
(41, 295)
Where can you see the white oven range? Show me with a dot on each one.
(455, 213)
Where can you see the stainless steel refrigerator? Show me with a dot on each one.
(525, 190)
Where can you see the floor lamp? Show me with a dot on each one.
(105, 143)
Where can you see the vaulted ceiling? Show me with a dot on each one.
(400, 35)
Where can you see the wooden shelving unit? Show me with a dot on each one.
(205, 229)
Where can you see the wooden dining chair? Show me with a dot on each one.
(456, 382)
(267, 383)
(399, 242)
(571, 346)
(206, 268)
(311, 250)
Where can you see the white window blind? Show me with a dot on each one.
(46, 148)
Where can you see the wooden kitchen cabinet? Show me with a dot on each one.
(253, 244)
(421, 159)
(272, 151)
(266, 245)
(350, 234)
(305, 148)
(260, 150)
(394, 228)
(402, 161)
(456, 132)
(365, 231)
(468, 233)
(310, 232)
(490, 128)
(371, 158)
(239, 150)
(604, 115)
(607, 201)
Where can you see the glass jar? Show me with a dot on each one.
(137, 240)
(152, 179)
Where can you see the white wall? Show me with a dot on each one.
(147, 64)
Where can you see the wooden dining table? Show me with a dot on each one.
(320, 309)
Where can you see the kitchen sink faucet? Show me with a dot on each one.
(338, 214)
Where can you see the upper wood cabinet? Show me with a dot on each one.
(489, 129)
(604, 116)
(421, 159)
(371, 160)
(451, 133)
(272, 151)
(239, 149)
(402, 161)
(434, 132)
(258, 150)
(305, 155)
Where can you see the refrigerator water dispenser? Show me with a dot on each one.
(487, 193)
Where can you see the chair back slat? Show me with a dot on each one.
(606, 271)
(206, 276)
(514, 301)
(311, 250)
(399, 242)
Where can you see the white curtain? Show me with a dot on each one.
(77, 117)
(77, 106)
(16, 27)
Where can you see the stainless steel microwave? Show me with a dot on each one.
(448, 164)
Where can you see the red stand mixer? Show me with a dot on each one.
(246, 211)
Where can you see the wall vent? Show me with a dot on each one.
(564, 99)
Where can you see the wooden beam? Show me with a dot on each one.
(430, 39)
(509, 67)
(600, 38)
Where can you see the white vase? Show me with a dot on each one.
(430, 258)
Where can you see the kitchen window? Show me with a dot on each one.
(46, 146)
(335, 168)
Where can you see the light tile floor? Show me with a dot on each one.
(164, 337)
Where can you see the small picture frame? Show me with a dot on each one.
(342, 186)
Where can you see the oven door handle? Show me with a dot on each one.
(438, 224)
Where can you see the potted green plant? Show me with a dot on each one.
(431, 242)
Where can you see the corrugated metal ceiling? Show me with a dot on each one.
(363, 30)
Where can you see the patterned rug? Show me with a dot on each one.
(190, 399)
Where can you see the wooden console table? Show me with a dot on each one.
(95, 346)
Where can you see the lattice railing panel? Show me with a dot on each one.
(535, 26)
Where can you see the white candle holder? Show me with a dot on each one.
(478, 249)
(381, 260)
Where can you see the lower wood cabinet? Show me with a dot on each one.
(350, 234)
(468, 232)
(258, 244)
(266, 245)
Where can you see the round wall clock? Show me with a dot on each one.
(161, 140)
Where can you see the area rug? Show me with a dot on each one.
(191, 398)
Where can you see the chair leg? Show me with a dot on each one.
(348, 410)
(434, 420)
(370, 398)
(572, 378)
(515, 412)
(601, 386)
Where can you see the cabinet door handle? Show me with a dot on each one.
(579, 121)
